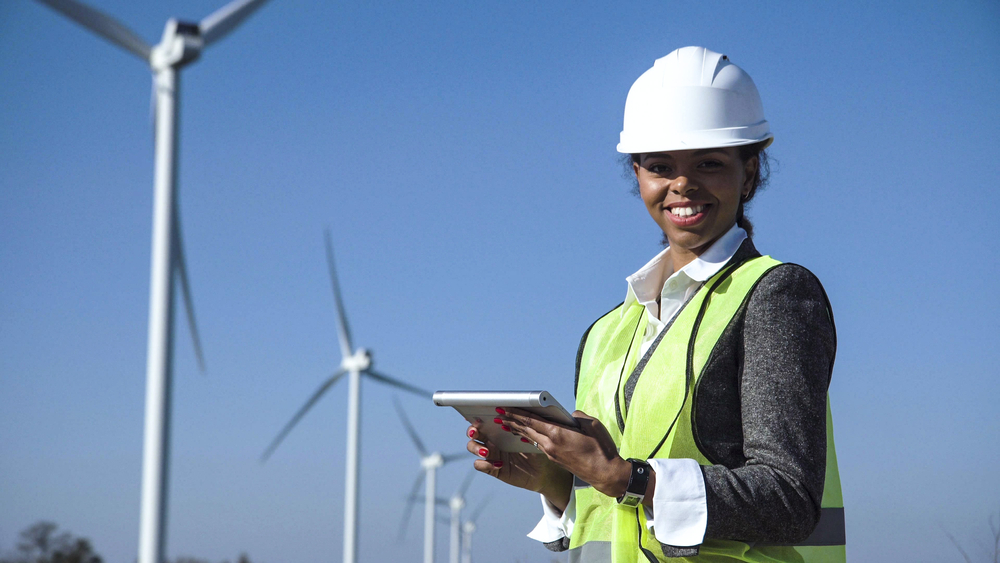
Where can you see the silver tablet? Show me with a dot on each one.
(482, 405)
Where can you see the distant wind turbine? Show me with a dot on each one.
(469, 528)
(461, 533)
(429, 462)
(354, 363)
(181, 45)
(456, 503)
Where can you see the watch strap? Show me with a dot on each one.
(637, 482)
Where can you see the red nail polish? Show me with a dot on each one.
(472, 432)
(505, 427)
(483, 452)
(498, 464)
(525, 440)
(501, 411)
(498, 421)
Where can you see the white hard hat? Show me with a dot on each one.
(692, 98)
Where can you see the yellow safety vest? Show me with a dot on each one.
(659, 425)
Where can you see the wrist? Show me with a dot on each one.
(616, 482)
(557, 489)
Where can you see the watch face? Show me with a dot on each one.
(629, 500)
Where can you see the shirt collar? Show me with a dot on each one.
(646, 283)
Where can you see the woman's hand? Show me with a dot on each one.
(534, 472)
(587, 452)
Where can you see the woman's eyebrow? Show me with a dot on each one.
(703, 152)
(650, 155)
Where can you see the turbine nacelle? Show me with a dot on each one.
(456, 503)
(432, 461)
(181, 44)
(469, 527)
(358, 362)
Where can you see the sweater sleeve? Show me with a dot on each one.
(788, 347)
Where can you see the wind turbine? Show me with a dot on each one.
(461, 535)
(469, 528)
(456, 503)
(181, 44)
(429, 462)
(355, 364)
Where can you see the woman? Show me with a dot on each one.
(702, 399)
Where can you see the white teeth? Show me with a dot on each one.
(687, 211)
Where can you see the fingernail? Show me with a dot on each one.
(483, 452)
(498, 464)
(501, 411)
(498, 421)
(505, 427)
(479, 420)
(472, 432)
(525, 440)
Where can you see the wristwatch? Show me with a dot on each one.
(637, 481)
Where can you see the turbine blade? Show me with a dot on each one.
(409, 505)
(342, 329)
(227, 18)
(438, 501)
(479, 509)
(468, 481)
(180, 266)
(409, 428)
(103, 25)
(396, 383)
(302, 411)
(455, 457)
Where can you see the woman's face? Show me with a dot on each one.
(694, 195)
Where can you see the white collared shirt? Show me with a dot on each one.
(679, 498)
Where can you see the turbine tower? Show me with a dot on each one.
(354, 363)
(182, 44)
(429, 462)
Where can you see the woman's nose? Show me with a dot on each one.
(680, 185)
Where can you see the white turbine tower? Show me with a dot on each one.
(181, 45)
(354, 363)
(429, 462)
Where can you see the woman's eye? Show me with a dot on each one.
(659, 169)
(711, 164)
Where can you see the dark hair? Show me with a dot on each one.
(747, 152)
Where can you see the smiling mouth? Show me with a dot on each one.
(686, 211)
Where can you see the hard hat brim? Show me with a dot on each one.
(695, 140)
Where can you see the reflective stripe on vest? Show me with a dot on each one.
(657, 423)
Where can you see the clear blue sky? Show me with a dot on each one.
(463, 155)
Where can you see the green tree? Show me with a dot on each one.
(41, 544)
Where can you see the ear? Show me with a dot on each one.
(749, 175)
(635, 169)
